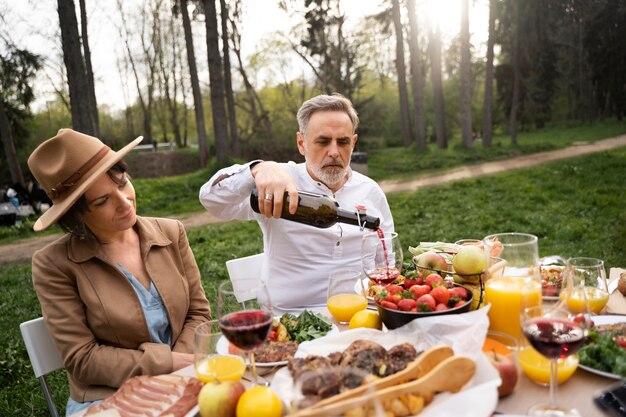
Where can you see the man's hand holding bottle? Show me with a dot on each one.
(272, 181)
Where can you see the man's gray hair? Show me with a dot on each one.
(335, 102)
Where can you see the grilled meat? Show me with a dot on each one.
(327, 376)
(275, 351)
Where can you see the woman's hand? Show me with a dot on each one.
(272, 180)
(180, 360)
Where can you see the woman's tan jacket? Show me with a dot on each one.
(94, 314)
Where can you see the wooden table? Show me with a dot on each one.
(577, 392)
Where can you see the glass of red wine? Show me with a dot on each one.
(381, 257)
(245, 316)
(556, 334)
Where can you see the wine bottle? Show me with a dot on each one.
(319, 210)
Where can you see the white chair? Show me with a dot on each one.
(244, 271)
(43, 354)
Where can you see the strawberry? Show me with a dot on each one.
(419, 290)
(409, 282)
(460, 292)
(434, 280)
(389, 305)
(426, 303)
(441, 307)
(407, 304)
(440, 294)
(459, 303)
(394, 289)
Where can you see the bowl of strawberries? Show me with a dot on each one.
(399, 304)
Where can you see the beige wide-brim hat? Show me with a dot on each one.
(67, 165)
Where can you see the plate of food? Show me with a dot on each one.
(604, 353)
(288, 331)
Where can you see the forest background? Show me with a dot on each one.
(415, 86)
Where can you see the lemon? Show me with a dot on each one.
(366, 318)
(259, 401)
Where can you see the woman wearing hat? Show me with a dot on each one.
(120, 294)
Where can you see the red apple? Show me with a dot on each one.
(429, 262)
(505, 364)
(220, 399)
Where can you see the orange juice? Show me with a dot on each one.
(220, 368)
(508, 296)
(537, 367)
(596, 297)
(344, 306)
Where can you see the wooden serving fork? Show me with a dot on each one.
(450, 375)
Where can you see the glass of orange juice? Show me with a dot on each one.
(590, 292)
(210, 365)
(346, 294)
(518, 285)
(537, 367)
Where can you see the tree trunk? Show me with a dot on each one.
(466, 88)
(516, 77)
(203, 145)
(434, 44)
(216, 81)
(416, 77)
(487, 103)
(401, 70)
(91, 89)
(6, 136)
(76, 75)
(228, 85)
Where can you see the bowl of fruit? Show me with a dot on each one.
(431, 296)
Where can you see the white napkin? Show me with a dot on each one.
(465, 333)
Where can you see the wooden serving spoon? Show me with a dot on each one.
(450, 375)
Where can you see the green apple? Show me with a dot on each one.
(220, 399)
(469, 260)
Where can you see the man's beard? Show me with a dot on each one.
(329, 175)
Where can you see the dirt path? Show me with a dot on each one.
(22, 250)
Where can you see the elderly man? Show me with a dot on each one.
(298, 258)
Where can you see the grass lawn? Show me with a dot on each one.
(576, 207)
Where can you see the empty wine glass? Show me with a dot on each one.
(381, 257)
(245, 316)
(556, 334)
(589, 287)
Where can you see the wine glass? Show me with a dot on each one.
(342, 300)
(381, 257)
(555, 334)
(590, 291)
(245, 316)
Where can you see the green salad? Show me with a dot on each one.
(306, 326)
(603, 354)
